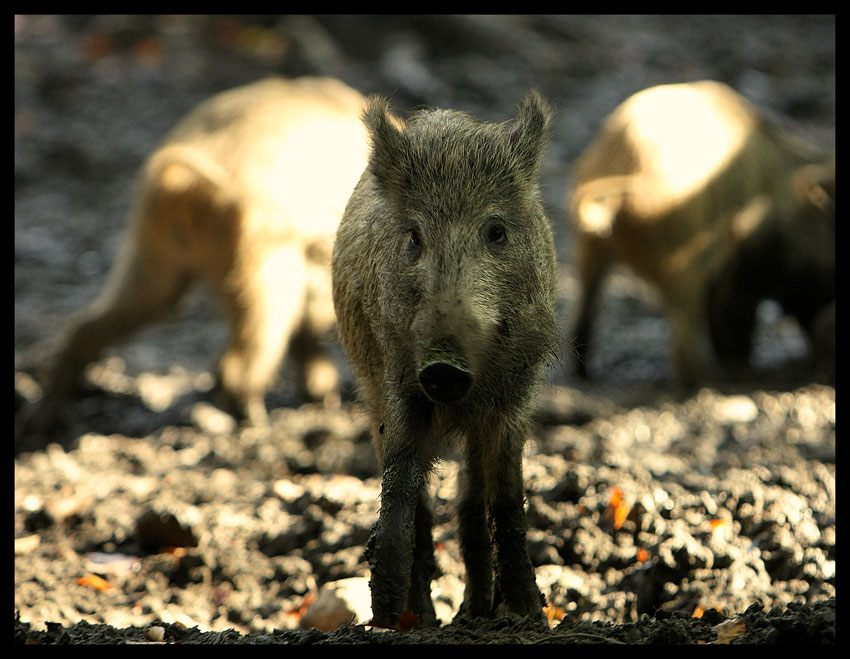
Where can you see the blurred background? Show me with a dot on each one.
(95, 94)
(277, 513)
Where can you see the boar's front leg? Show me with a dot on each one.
(475, 543)
(400, 550)
(423, 568)
(514, 572)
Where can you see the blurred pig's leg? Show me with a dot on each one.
(145, 282)
(265, 305)
(593, 263)
(689, 335)
(317, 375)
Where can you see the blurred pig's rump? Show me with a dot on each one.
(712, 204)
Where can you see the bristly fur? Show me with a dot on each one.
(445, 253)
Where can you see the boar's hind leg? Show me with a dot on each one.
(265, 306)
(144, 283)
(514, 573)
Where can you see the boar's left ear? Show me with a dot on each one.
(530, 131)
(387, 140)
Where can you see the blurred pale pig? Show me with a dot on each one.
(245, 193)
(717, 208)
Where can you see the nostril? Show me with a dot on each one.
(444, 382)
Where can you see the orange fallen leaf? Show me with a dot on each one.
(620, 514)
(618, 510)
(299, 609)
(94, 581)
(553, 613)
(698, 611)
(616, 497)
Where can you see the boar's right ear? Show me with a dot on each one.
(386, 139)
(530, 131)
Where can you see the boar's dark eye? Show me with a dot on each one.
(497, 234)
(413, 246)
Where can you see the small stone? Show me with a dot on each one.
(212, 421)
(736, 409)
(339, 603)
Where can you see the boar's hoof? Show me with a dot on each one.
(444, 382)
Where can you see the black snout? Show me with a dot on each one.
(444, 382)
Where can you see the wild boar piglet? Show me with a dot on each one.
(715, 206)
(444, 288)
(245, 194)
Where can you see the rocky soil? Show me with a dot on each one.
(152, 518)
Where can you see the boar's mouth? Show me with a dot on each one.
(445, 380)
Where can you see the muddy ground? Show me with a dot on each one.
(654, 518)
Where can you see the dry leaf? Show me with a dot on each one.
(617, 510)
(94, 581)
(553, 613)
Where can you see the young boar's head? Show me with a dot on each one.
(466, 268)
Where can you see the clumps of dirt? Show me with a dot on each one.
(642, 523)
(797, 625)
